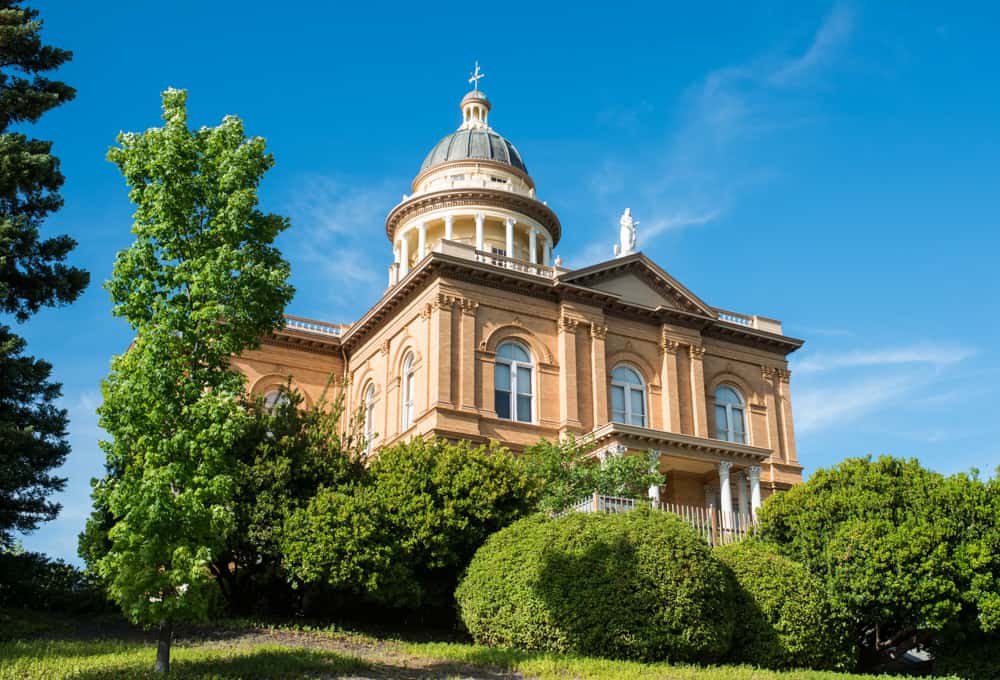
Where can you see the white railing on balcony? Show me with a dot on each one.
(469, 252)
(312, 326)
(717, 527)
(758, 322)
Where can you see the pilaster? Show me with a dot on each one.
(668, 379)
(569, 413)
(699, 414)
(467, 381)
(599, 372)
(440, 350)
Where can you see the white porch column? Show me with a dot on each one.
(510, 237)
(754, 471)
(547, 253)
(654, 489)
(725, 494)
(404, 256)
(533, 245)
(741, 492)
(449, 221)
(422, 240)
(480, 218)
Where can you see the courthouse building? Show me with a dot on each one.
(481, 336)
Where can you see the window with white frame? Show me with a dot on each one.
(369, 417)
(730, 415)
(513, 383)
(407, 392)
(628, 396)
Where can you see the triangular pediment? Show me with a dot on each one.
(638, 280)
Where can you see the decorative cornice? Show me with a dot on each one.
(384, 347)
(696, 353)
(426, 312)
(598, 331)
(776, 373)
(668, 344)
(468, 306)
(471, 197)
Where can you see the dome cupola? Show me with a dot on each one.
(473, 196)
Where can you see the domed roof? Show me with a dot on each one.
(477, 143)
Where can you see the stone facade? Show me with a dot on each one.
(471, 273)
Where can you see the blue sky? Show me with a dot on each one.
(830, 165)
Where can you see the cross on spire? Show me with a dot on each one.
(476, 75)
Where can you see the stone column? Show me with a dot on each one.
(725, 494)
(404, 256)
(599, 372)
(421, 240)
(741, 493)
(754, 471)
(668, 380)
(509, 244)
(569, 414)
(467, 382)
(533, 245)
(449, 222)
(699, 414)
(547, 253)
(480, 218)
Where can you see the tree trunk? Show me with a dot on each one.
(163, 641)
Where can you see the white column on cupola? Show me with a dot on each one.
(725, 494)
(546, 253)
(533, 245)
(421, 240)
(480, 218)
(509, 247)
(449, 221)
(404, 256)
(754, 471)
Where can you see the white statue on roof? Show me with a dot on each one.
(626, 234)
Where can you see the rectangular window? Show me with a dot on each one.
(618, 403)
(502, 391)
(524, 394)
(739, 435)
(721, 426)
(638, 408)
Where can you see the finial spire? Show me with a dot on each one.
(476, 75)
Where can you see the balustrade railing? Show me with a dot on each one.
(516, 265)
(717, 527)
(312, 326)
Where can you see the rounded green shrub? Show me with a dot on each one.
(783, 617)
(636, 585)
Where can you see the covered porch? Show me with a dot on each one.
(700, 473)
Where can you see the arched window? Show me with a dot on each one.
(275, 398)
(730, 419)
(512, 383)
(407, 392)
(369, 417)
(628, 397)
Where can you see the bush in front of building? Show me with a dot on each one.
(637, 585)
(783, 617)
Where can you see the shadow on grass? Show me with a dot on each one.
(247, 663)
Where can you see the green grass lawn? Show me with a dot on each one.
(246, 650)
(114, 659)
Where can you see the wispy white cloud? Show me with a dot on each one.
(938, 355)
(697, 174)
(827, 42)
(822, 406)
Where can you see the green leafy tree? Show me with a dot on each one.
(33, 273)
(286, 455)
(891, 541)
(202, 282)
(403, 533)
(567, 472)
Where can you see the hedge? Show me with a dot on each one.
(783, 618)
(638, 585)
